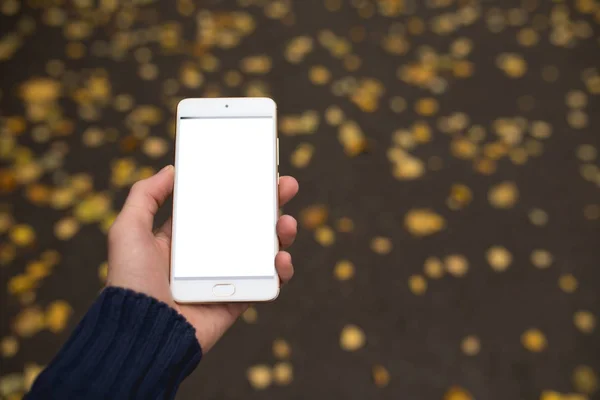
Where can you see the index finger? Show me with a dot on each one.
(288, 188)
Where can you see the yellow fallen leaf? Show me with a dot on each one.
(423, 222)
(381, 376)
(283, 373)
(534, 340)
(417, 284)
(250, 316)
(499, 258)
(433, 268)
(260, 376)
(30, 374)
(22, 235)
(381, 245)
(93, 208)
(313, 216)
(504, 195)
(352, 338)
(470, 345)
(40, 90)
(21, 283)
(29, 322)
(37, 270)
(57, 315)
(585, 379)
(10, 384)
(9, 346)
(343, 270)
(456, 265)
(325, 236)
(457, 393)
(281, 349)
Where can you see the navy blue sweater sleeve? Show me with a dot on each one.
(127, 346)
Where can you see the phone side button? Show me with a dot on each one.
(223, 290)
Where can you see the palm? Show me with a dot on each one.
(140, 259)
(210, 320)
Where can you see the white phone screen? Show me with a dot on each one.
(225, 199)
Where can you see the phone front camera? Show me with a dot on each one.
(226, 105)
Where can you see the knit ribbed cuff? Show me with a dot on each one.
(128, 345)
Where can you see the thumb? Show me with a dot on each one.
(146, 197)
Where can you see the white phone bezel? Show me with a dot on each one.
(247, 289)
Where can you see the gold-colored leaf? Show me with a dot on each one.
(352, 138)
(57, 315)
(470, 345)
(50, 257)
(22, 235)
(302, 155)
(281, 349)
(456, 265)
(541, 258)
(567, 283)
(11, 384)
(93, 208)
(20, 284)
(423, 222)
(345, 225)
(585, 321)
(38, 270)
(460, 196)
(325, 235)
(433, 268)
(381, 376)
(499, 258)
(155, 147)
(538, 217)
(298, 48)
(9, 346)
(352, 338)
(250, 316)
(343, 270)
(417, 284)
(40, 90)
(534, 340)
(512, 64)
(191, 76)
(457, 393)
(122, 172)
(30, 374)
(313, 216)
(503, 195)
(260, 376)
(66, 228)
(585, 380)
(319, 75)
(29, 322)
(283, 373)
(381, 245)
(8, 252)
(103, 271)
(260, 64)
(427, 106)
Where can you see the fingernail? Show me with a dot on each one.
(165, 169)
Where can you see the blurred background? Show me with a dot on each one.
(450, 185)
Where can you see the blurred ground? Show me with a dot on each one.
(449, 205)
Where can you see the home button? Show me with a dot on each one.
(223, 290)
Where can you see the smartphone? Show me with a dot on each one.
(225, 201)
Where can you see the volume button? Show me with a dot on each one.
(277, 151)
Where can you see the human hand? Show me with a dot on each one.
(139, 259)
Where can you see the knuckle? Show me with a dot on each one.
(138, 187)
